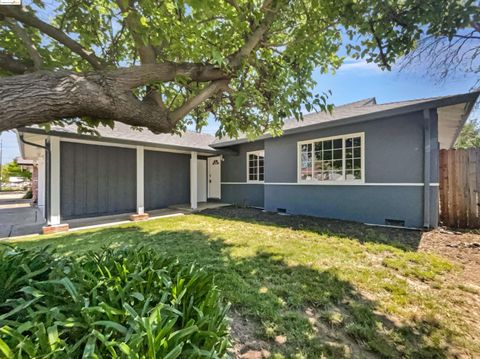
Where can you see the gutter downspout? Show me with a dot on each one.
(47, 172)
(426, 169)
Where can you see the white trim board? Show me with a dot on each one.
(329, 183)
(249, 183)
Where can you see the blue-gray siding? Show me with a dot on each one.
(167, 179)
(96, 180)
(234, 170)
(394, 153)
(245, 195)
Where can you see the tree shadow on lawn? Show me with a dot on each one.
(405, 239)
(293, 310)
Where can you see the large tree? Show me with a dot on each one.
(164, 63)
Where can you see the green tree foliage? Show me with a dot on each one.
(247, 63)
(470, 136)
(12, 169)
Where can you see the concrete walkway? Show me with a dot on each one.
(17, 216)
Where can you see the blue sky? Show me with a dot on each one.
(355, 80)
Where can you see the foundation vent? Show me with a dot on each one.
(394, 222)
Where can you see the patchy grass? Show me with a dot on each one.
(307, 288)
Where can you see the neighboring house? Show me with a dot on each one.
(367, 162)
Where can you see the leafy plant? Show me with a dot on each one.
(131, 303)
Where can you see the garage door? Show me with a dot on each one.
(167, 179)
(96, 180)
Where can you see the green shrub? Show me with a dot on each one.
(28, 194)
(131, 303)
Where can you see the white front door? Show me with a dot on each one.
(201, 180)
(214, 170)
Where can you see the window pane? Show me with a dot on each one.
(348, 153)
(357, 152)
(318, 146)
(327, 145)
(327, 155)
(357, 174)
(357, 164)
(337, 165)
(307, 147)
(337, 143)
(336, 176)
(318, 156)
(306, 162)
(357, 142)
(337, 154)
(348, 164)
(348, 142)
(349, 175)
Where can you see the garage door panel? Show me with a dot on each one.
(167, 179)
(96, 180)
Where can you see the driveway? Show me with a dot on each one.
(17, 216)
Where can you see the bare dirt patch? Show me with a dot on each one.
(460, 247)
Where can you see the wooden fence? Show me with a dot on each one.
(459, 188)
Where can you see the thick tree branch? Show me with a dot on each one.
(146, 51)
(45, 96)
(24, 16)
(134, 76)
(10, 64)
(270, 8)
(195, 101)
(132, 21)
(28, 43)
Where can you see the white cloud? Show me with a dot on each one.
(359, 65)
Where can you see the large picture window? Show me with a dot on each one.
(255, 166)
(332, 159)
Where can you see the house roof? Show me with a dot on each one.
(189, 140)
(364, 110)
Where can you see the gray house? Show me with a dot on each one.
(366, 162)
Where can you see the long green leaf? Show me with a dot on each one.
(89, 349)
(109, 324)
(5, 349)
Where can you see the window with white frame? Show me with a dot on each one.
(332, 159)
(255, 168)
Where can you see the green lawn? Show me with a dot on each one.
(304, 288)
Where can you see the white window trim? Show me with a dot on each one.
(343, 137)
(258, 153)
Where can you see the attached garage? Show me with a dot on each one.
(120, 171)
(96, 180)
(167, 179)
